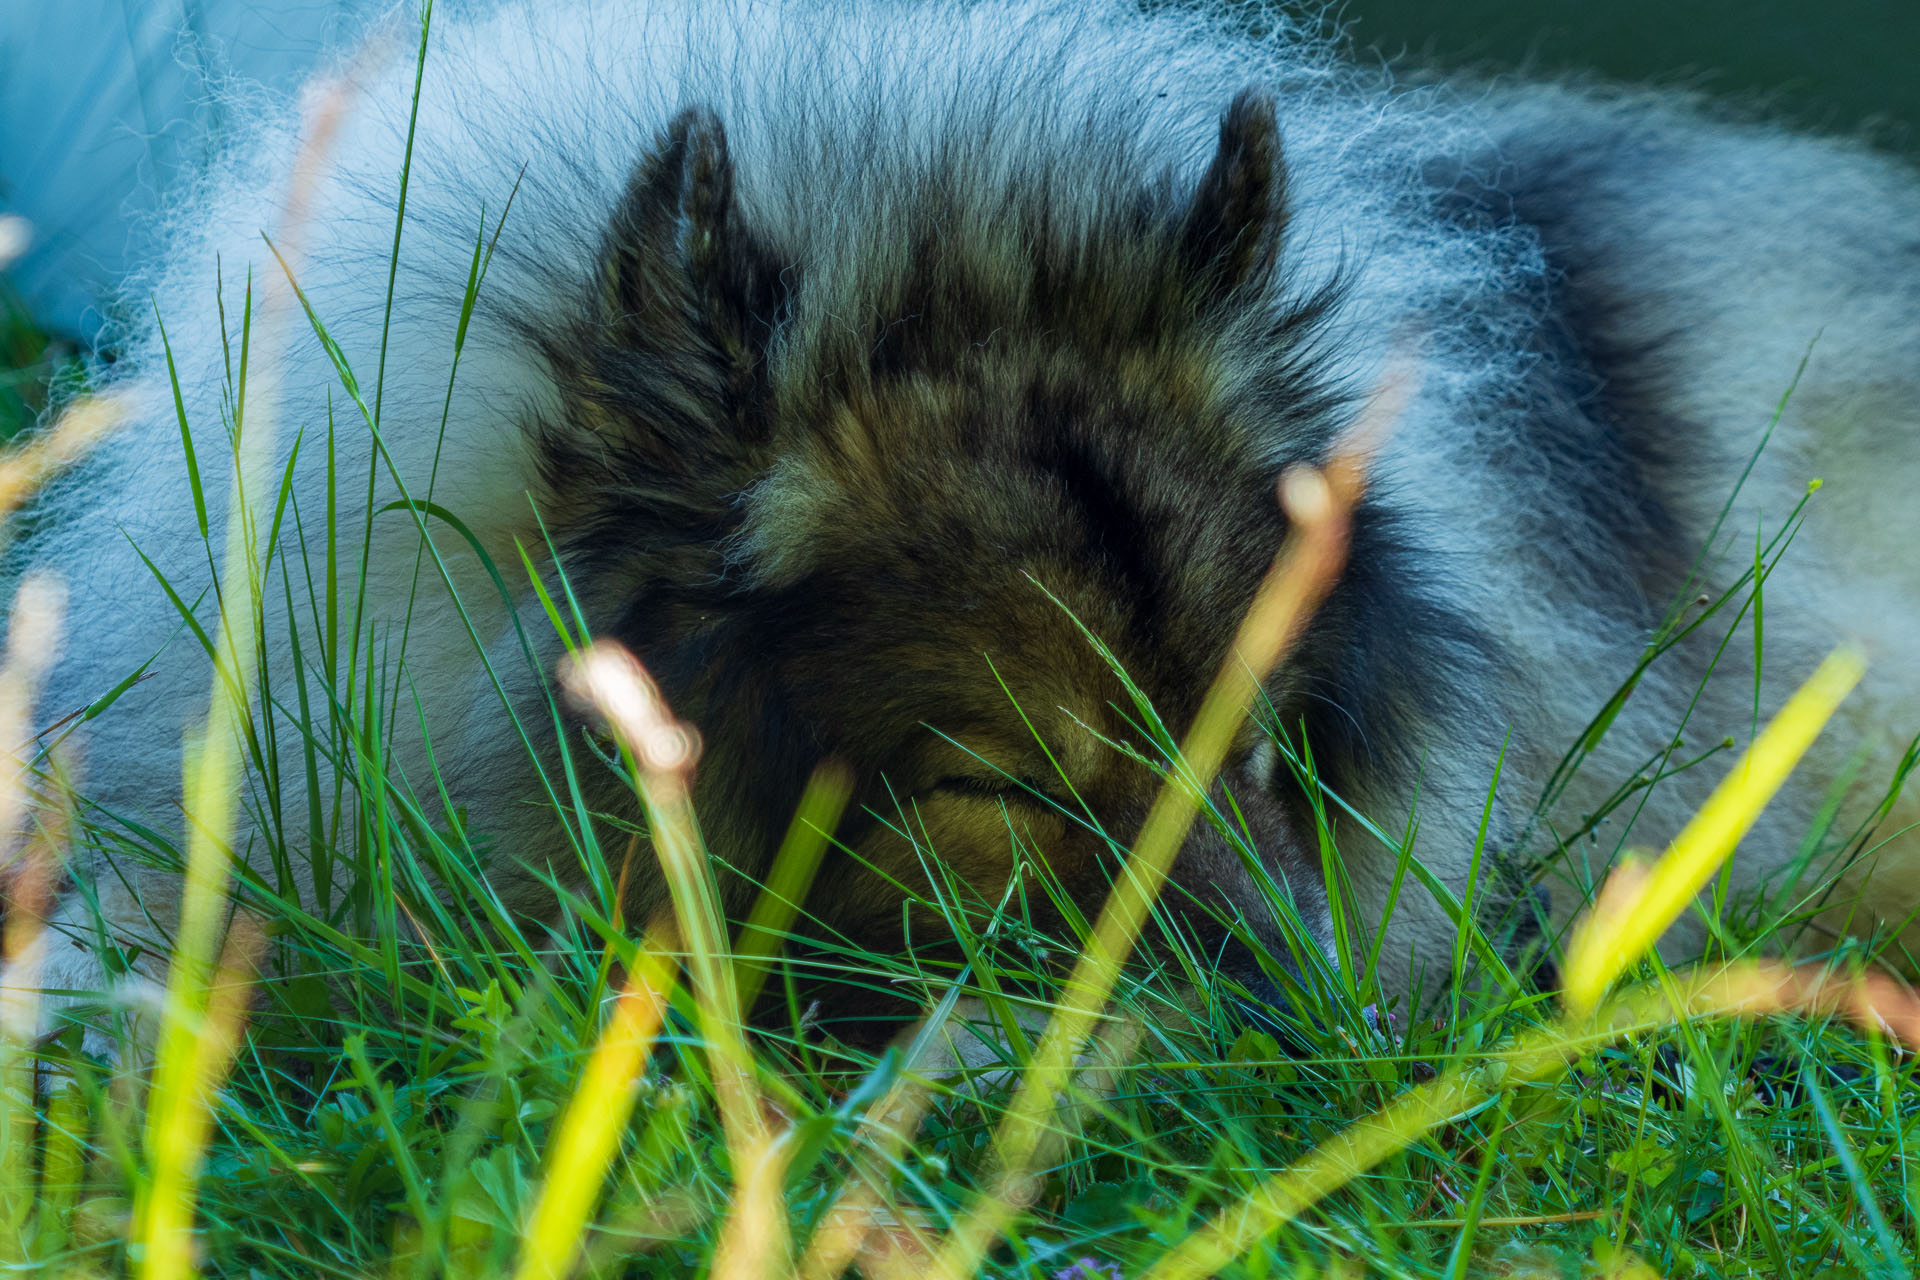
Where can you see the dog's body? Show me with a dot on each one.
(854, 357)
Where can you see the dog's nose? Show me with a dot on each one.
(1260, 1003)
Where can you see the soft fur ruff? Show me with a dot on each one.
(853, 356)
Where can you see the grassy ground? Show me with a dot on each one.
(475, 1095)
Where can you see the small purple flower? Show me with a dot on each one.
(1089, 1269)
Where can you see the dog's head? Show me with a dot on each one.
(926, 542)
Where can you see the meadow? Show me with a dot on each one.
(406, 1079)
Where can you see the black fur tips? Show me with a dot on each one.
(673, 240)
(697, 141)
(1232, 228)
(669, 233)
(685, 288)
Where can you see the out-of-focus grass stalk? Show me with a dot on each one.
(16, 237)
(26, 875)
(178, 1107)
(27, 466)
(1748, 989)
(1636, 905)
(662, 752)
(794, 868)
(62, 1167)
(197, 1023)
(27, 902)
(33, 637)
(596, 1117)
(1319, 505)
(863, 1202)
(205, 1026)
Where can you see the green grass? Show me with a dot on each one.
(406, 1129)
(414, 1051)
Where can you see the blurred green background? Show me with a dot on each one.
(1831, 64)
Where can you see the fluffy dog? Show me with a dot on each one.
(853, 363)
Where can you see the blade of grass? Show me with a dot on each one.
(660, 753)
(791, 875)
(1305, 570)
(1636, 907)
(595, 1120)
(1743, 990)
(202, 1011)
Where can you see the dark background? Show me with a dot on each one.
(1844, 65)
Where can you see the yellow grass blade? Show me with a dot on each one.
(1743, 990)
(199, 1035)
(200, 1019)
(596, 1118)
(177, 1115)
(1634, 910)
(753, 1242)
(1636, 906)
(26, 944)
(792, 875)
(1319, 505)
(27, 466)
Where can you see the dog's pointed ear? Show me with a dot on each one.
(669, 234)
(1232, 229)
(676, 256)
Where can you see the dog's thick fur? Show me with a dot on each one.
(856, 355)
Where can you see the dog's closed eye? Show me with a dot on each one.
(1002, 787)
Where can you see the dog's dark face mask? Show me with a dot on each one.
(924, 550)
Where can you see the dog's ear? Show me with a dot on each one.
(1232, 229)
(677, 259)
